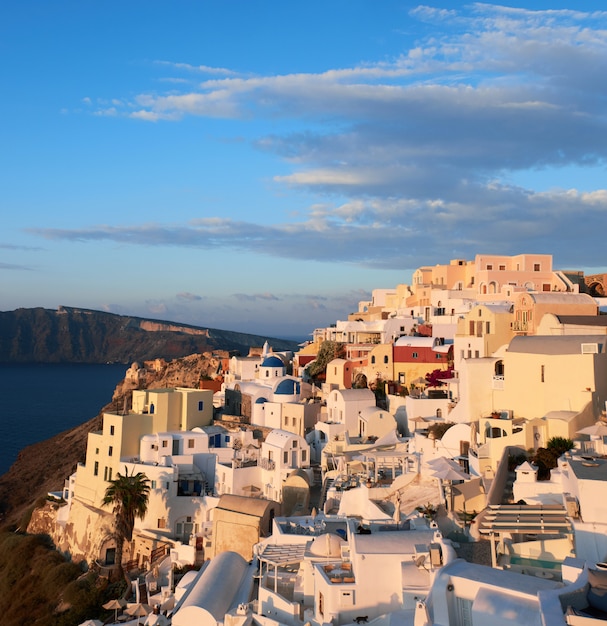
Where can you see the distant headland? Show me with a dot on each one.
(75, 335)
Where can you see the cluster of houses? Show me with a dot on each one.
(351, 497)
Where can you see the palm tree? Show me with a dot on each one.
(129, 496)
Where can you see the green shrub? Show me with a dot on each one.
(33, 577)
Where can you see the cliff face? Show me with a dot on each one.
(71, 335)
(44, 466)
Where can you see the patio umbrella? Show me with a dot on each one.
(115, 605)
(450, 474)
(139, 610)
(442, 463)
(418, 420)
(599, 429)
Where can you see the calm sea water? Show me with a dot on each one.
(40, 400)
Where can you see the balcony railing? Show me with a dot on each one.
(520, 325)
(498, 382)
(267, 464)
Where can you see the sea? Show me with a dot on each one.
(42, 400)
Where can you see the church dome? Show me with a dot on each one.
(287, 387)
(327, 544)
(272, 361)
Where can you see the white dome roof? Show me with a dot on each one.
(327, 544)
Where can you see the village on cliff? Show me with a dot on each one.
(438, 457)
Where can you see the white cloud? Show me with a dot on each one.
(420, 147)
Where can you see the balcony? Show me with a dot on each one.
(267, 464)
(520, 326)
(498, 382)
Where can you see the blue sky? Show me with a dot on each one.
(262, 166)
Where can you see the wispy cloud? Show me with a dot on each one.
(12, 246)
(189, 297)
(388, 233)
(14, 267)
(255, 297)
(199, 69)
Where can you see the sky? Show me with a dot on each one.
(262, 166)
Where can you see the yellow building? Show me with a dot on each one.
(484, 329)
(154, 411)
(553, 373)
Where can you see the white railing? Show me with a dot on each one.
(498, 382)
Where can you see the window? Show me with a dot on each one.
(110, 450)
(112, 429)
(502, 268)
(373, 360)
(109, 473)
(105, 473)
(487, 327)
(153, 484)
(294, 443)
(543, 373)
(438, 355)
(162, 522)
(536, 267)
(414, 355)
(200, 405)
(304, 456)
(489, 266)
(166, 486)
(96, 470)
(190, 443)
(96, 450)
(165, 443)
(152, 408)
(439, 412)
(285, 457)
(286, 420)
(386, 359)
(476, 354)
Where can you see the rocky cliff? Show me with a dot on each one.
(71, 335)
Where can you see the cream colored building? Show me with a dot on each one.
(482, 331)
(154, 411)
(540, 387)
(529, 308)
(553, 373)
(344, 406)
(339, 374)
(380, 363)
(240, 522)
(553, 324)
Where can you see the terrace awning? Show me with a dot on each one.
(514, 518)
